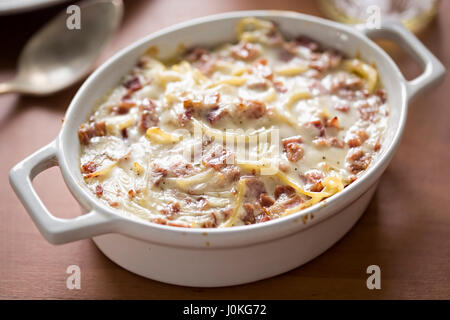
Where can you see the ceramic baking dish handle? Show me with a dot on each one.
(433, 68)
(55, 230)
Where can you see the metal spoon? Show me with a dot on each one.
(56, 57)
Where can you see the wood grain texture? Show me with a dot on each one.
(405, 230)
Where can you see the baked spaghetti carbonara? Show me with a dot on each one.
(238, 134)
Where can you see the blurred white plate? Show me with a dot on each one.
(14, 6)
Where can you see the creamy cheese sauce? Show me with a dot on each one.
(242, 133)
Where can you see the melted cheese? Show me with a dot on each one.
(210, 141)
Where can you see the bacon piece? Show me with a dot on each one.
(133, 84)
(283, 189)
(98, 190)
(211, 223)
(158, 174)
(185, 117)
(262, 69)
(325, 61)
(254, 188)
(265, 200)
(313, 179)
(180, 168)
(124, 107)
(159, 220)
(358, 139)
(293, 148)
(89, 167)
(249, 217)
(195, 101)
(337, 143)
(217, 158)
(377, 146)
(171, 210)
(124, 133)
(368, 111)
(358, 161)
(202, 60)
(333, 123)
(231, 173)
(292, 202)
(88, 131)
(381, 93)
(216, 114)
(252, 109)
(328, 141)
(244, 51)
(279, 86)
(148, 117)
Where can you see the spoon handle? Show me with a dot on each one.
(6, 87)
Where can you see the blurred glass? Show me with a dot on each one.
(415, 14)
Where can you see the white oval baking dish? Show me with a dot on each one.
(230, 256)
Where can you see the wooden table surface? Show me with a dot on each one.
(405, 230)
